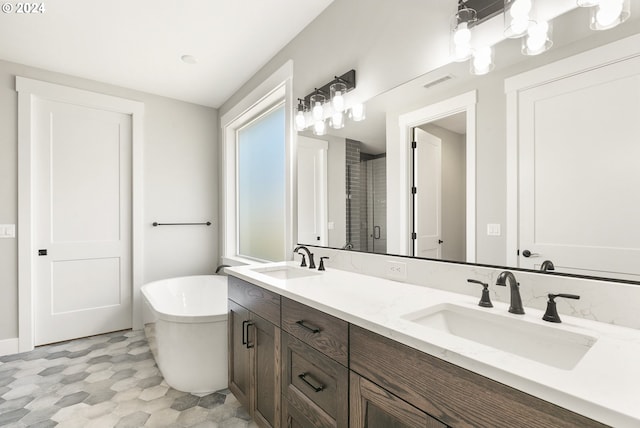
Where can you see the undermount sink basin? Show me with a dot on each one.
(548, 345)
(287, 272)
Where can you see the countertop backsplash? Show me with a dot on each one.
(600, 300)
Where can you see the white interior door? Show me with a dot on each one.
(428, 207)
(83, 221)
(312, 191)
(579, 177)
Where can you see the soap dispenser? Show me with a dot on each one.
(551, 314)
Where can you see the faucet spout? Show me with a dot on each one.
(312, 264)
(219, 268)
(515, 306)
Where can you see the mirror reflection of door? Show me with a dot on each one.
(440, 197)
(312, 191)
(579, 179)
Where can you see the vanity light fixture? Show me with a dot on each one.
(357, 113)
(313, 109)
(461, 25)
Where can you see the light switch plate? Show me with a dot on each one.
(7, 230)
(493, 229)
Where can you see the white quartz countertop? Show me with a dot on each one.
(604, 385)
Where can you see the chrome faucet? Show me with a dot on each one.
(516, 302)
(547, 265)
(312, 264)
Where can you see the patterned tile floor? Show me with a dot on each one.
(104, 381)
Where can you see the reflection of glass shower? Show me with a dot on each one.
(366, 200)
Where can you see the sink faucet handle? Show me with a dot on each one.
(551, 313)
(321, 267)
(304, 260)
(485, 300)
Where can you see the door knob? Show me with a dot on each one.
(528, 253)
(42, 252)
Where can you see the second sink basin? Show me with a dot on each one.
(549, 345)
(286, 272)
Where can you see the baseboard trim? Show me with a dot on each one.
(8, 346)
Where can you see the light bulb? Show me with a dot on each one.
(520, 9)
(519, 25)
(338, 101)
(317, 111)
(482, 62)
(337, 120)
(301, 122)
(462, 34)
(462, 52)
(537, 38)
(319, 127)
(357, 112)
(608, 12)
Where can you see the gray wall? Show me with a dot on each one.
(180, 183)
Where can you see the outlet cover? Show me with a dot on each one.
(396, 270)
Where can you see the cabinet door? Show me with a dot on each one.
(374, 407)
(239, 354)
(264, 340)
(293, 418)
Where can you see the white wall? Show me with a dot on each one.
(180, 183)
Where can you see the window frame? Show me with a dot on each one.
(275, 90)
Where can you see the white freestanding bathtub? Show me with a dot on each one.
(186, 325)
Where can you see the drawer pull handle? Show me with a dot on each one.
(304, 376)
(312, 329)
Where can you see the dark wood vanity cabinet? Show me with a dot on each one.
(315, 377)
(254, 350)
(455, 396)
(374, 407)
(297, 367)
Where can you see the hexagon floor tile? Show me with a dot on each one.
(104, 381)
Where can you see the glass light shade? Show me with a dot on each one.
(517, 17)
(609, 13)
(336, 92)
(319, 127)
(587, 3)
(538, 39)
(301, 121)
(337, 120)
(482, 61)
(357, 112)
(460, 40)
(317, 109)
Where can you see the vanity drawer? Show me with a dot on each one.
(323, 332)
(314, 384)
(450, 393)
(258, 300)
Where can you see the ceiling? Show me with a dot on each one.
(139, 44)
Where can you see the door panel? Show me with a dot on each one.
(239, 358)
(429, 195)
(83, 220)
(579, 199)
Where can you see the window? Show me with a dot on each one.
(261, 187)
(258, 165)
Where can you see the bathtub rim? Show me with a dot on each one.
(182, 318)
